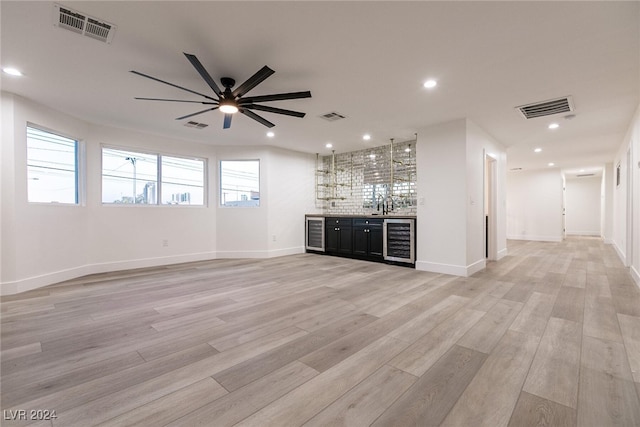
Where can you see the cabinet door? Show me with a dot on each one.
(375, 241)
(345, 241)
(332, 238)
(361, 240)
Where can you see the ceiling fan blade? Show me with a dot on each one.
(257, 118)
(171, 84)
(195, 114)
(275, 97)
(274, 110)
(177, 100)
(227, 121)
(203, 73)
(253, 81)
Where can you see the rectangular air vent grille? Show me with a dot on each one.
(71, 20)
(79, 23)
(332, 117)
(196, 125)
(546, 108)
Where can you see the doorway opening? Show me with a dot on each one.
(490, 222)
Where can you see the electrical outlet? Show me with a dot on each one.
(165, 243)
(273, 237)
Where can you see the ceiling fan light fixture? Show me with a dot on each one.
(228, 106)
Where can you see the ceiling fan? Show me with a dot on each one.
(231, 101)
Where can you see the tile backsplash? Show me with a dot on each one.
(358, 182)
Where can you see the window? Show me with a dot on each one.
(240, 183)
(52, 167)
(182, 181)
(130, 177)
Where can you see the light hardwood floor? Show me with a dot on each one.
(548, 336)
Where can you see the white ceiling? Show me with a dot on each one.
(365, 60)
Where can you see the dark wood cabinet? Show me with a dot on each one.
(367, 238)
(338, 236)
(380, 239)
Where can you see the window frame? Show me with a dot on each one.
(220, 195)
(159, 155)
(79, 169)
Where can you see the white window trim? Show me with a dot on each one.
(159, 155)
(81, 164)
(219, 186)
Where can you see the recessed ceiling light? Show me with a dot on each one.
(12, 71)
(554, 126)
(366, 137)
(329, 145)
(537, 150)
(430, 84)
(551, 164)
(271, 134)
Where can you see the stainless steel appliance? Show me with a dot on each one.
(314, 233)
(399, 240)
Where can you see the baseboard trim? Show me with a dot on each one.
(261, 254)
(635, 274)
(476, 266)
(501, 254)
(35, 282)
(583, 233)
(621, 254)
(534, 238)
(454, 270)
(287, 251)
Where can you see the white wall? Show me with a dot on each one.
(45, 243)
(583, 203)
(450, 215)
(442, 199)
(291, 178)
(37, 239)
(534, 205)
(625, 225)
(479, 143)
(275, 228)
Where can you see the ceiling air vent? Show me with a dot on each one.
(191, 124)
(79, 23)
(546, 108)
(332, 117)
(585, 174)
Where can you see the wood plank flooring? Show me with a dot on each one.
(547, 336)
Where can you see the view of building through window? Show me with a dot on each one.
(240, 182)
(132, 178)
(182, 181)
(52, 167)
